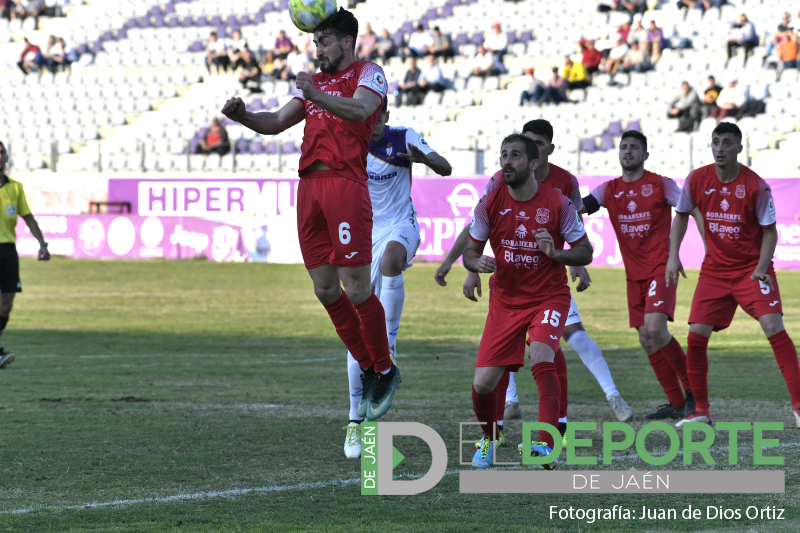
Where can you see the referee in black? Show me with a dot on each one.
(12, 204)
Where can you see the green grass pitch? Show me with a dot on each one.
(142, 380)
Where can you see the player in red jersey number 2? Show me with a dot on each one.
(739, 219)
(340, 105)
(527, 224)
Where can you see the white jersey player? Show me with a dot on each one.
(395, 236)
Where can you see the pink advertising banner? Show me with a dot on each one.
(265, 209)
(133, 237)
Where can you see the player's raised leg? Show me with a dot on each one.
(786, 356)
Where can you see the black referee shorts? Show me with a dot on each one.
(9, 268)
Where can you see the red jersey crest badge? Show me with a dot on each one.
(542, 215)
(647, 190)
(740, 191)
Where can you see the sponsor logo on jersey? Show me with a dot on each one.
(389, 149)
(632, 206)
(725, 192)
(542, 215)
(776, 302)
(520, 259)
(519, 244)
(554, 337)
(724, 230)
(381, 177)
(658, 303)
(522, 216)
(423, 141)
(710, 191)
(11, 210)
(521, 231)
(741, 190)
(631, 194)
(620, 193)
(351, 255)
(724, 205)
(729, 217)
(647, 190)
(503, 212)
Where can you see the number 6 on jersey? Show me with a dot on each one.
(344, 235)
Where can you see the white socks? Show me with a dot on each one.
(393, 295)
(593, 359)
(511, 391)
(356, 389)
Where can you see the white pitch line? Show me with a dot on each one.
(281, 488)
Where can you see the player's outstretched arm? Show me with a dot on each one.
(579, 254)
(44, 253)
(358, 108)
(769, 241)
(475, 261)
(698, 221)
(265, 123)
(679, 225)
(455, 252)
(433, 160)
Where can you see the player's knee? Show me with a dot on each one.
(482, 387)
(390, 268)
(326, 293)
(658, 334)
(772, 325)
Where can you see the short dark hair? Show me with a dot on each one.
(531, 150)
(341, 24)
(539, 127)
(638, 135)
(728, 127)
(212, 33)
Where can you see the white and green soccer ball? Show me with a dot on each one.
(308, 14)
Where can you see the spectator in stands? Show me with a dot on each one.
(386, 47)
(29, 56)
(781, 34)
(616, 55)
(575, 74)
(283, 45)
(441, 45)
(5, 9)
(216, 53)
(686, 108)
(66, 55)
(787, 53)
(556, 90)
(215, 140)
(272, 67)
(730, 99)
(410, 84)
(592, 57)
(486, 63)
(623, 31)
(710, 97)
(655, 41)
(420, 43)
(431, 77)
(700, 4)
(747, 38)
(638, 33)
(635, 59)
(496, 42)
(367, 47)
(632, 7)
(250, 71)
(236, 49)
(534, 90)
(297, 61)
(50, 49)
(28, 8)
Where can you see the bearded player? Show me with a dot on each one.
(395, 237)
(739, 217)
(527, 224)
(639, 207)
(541, 132)
(340, 105)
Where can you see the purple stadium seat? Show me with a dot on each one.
(201, 21)
(477, 38)
(606, 143)
(107, 36)
(158, 22)
(197, 46)
(587, 145)
(256, 147)
(447, 11)
(461, 39)
(231, 21)
(173, 21)
(259, 18)
(271, 148)
(526, 36)
(289, 147)
(431, 13)
(97, 47)
(408, 27)
(144, 22)
(187, 22)
(242, 147)
(282, 5)
(193, 146)
(393, 85)
(614, 128)
(634, 125)
(168, 8)
(268, 8)
(155, 11)
(122, 33)
(512, 37)
(399, 39)
(272, 103)
(216, 20)
(256, 104)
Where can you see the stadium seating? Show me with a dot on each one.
(140, 95)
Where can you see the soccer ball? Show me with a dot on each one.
(308, 14)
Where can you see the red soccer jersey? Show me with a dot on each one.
(341, 144)
(558, 179)
(733, 215)
(642, 218)
(525, 275)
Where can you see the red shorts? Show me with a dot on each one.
(717, 295)
(650, 296)
(334, 221)
(503, 340)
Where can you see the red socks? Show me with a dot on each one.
(500, 399)
(676, 358)
(697, 369)
(373, 331)
(484, 407)
(786, 356)
(667, 378)
(561, 370)
(348, 326)
(549, 394)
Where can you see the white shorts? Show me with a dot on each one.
(574, 316)
(405, 234)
